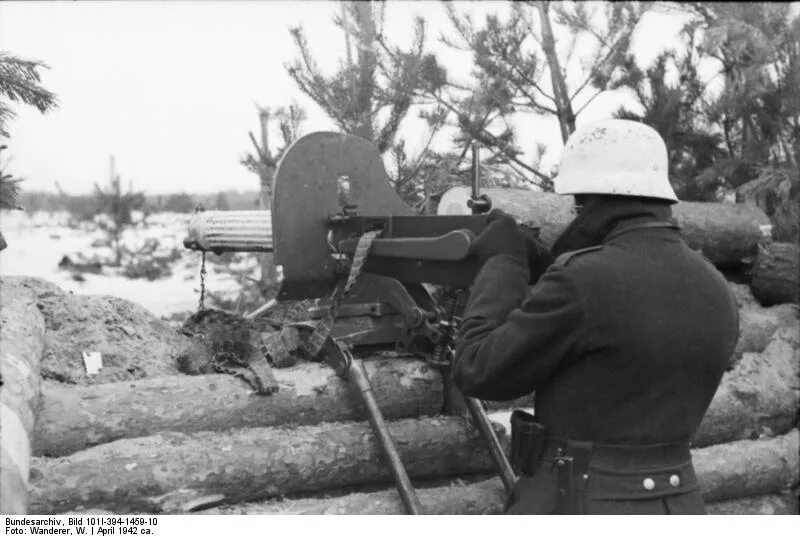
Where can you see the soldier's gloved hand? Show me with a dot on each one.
(539, 257)
(501, 237)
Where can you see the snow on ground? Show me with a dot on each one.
(37, 242)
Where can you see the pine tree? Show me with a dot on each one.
(678, 112)
(118, 205)
(20, 81)
(744, 138)
(375, 88)
(263, 160)
(518, 68)
(9, 186)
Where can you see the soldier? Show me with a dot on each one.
(624, 337)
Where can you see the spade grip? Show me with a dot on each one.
(230, 231)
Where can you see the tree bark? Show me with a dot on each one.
(765, 504)
(759, 397)
(727, 473)
(728, 234)
(266, 174)
(482, 498)
(748, 467)
(776, 274)
(21, 345)
(758, 325)
(145, 474)
(76, 417)
(566, 118)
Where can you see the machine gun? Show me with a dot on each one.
(341, 234)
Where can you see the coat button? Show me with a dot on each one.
(674, 480)
(649, 484)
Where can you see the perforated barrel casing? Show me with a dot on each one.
(230, 231)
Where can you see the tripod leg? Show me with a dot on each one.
(495, 449)
(358, 376)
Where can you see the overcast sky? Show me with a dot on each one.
(170, 88)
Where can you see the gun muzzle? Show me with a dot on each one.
(230, 231)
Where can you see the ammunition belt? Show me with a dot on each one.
(323, 329)
(279, 347)
(256, 372)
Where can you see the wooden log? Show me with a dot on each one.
(748, 467)
(727, 233)
(757, 325)
(75, 417)
(765, 504)
(720, 481)
(141, 474)
(21, 344)
(759, 397)
(776, 274)
(482, 498)
(743, 295)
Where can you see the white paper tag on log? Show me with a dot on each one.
(93, 361)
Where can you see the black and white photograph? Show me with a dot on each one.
(398, 258)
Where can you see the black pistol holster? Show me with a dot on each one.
(528, 438)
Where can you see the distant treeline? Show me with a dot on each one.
(85, 206)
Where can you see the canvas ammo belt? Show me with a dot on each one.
(274, 345)
(617, 472)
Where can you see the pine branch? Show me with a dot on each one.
(20, 81)
(9, 192)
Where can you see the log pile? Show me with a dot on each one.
(76, 417)
(161, 441)
(740, 473)
(140, 474)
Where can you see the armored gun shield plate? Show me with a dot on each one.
(317, 177)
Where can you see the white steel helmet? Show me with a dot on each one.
(615, 156)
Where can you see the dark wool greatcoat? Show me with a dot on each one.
(624, 344)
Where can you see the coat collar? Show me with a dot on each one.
(603, 215)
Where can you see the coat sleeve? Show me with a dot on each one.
(512, 337)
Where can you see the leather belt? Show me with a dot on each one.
(618, 472)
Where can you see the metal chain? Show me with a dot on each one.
(323, 329)
(201, 305)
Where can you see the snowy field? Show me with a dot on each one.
(37, 242)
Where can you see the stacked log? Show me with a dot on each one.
(138, 474)
(180, 443)
(22, 333)
(727, 472)
(775, 274)
(758, 397)
(76, 417)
